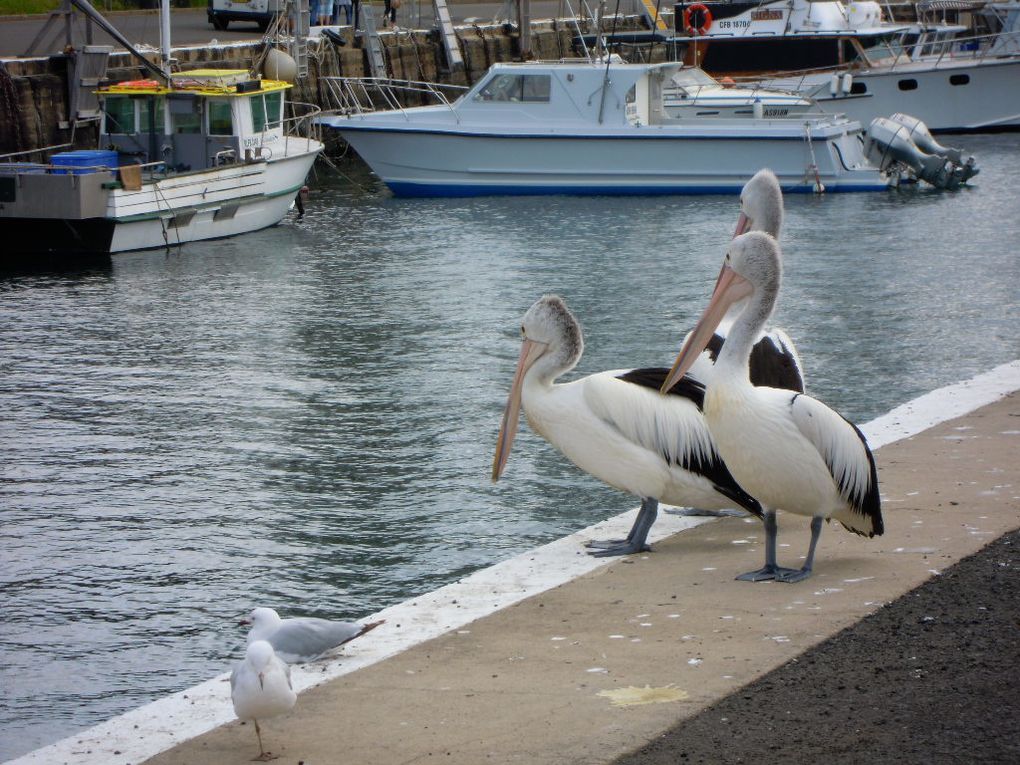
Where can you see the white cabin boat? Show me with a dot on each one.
(585, 128)
(849, 60)
(208, 154)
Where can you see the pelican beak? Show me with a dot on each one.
(730, 287)
(743, 225)
(531, 351)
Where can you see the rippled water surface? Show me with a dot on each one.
(305, 417)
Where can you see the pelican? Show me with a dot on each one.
(615, 426)
(788, 450)
(774, 360)
(260, 687)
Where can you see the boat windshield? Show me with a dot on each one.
(691, 77)
(533, 88)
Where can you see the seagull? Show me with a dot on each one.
(260, 687)
(304, 638)
(614, 426)
(787, 449)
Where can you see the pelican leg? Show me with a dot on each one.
(793, 575)
(635, 541)
(771, 570)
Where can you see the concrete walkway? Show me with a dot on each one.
(597, 667)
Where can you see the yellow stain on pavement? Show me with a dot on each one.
(633, 696)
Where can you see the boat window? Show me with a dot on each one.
(266, 111)
(120, 114)
(274, 103)
(148, 107)
(185, 115)
(532, 88)
(258, 113)
(689, 76)
(858, 88)
(959, 79)
(908, 84)
(220, 121)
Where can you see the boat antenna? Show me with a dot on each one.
(110, 29)
(164, 37)
(609, 60)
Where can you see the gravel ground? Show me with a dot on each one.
(930, 678)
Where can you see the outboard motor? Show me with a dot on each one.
(925, 141)
(889, 142)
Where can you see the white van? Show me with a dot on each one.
(261, 12)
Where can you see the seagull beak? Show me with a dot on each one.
(743, 225)
(531, 351)
(730, 287)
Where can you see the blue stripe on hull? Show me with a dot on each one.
(407, 189)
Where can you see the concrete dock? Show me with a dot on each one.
(609, 660)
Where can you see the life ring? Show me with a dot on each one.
(700, 24)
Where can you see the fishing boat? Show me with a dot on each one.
(600, 127)
(181, 157)
(953, 77)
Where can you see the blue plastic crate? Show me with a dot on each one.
(84, 161)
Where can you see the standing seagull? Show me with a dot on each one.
(260, 687)
(789, 450)
(614, 426)
(303, 638)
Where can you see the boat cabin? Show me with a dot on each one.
(203, 119)
(537, 93)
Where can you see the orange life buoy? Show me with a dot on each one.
(697, 24)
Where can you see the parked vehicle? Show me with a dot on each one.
(222, 12)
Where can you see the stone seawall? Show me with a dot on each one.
(34, 97)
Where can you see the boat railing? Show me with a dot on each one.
(43, 151)
(361, 95)
(975, 48)
(301, 123)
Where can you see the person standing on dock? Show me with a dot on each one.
(342, 5)
(390, 13)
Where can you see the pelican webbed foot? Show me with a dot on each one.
(793, 575)
(624, 548)
(767, 573)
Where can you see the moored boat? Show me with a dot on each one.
(588, 127)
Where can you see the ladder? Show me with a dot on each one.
(376, 60)
(651, 13)
(449, 37)
(299, 35)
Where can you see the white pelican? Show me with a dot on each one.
(774, 363)
(790, 451)
(260, 687)
(615, 426)
(303, 638)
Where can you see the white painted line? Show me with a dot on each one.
(156, 727)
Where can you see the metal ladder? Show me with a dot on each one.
(453, 57)
(299, 35)
(376, 60)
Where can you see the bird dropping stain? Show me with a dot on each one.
(633, 696)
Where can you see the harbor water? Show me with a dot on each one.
(305, 417)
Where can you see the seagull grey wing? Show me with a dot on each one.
(304, 639)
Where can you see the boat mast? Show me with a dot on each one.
(164, 37)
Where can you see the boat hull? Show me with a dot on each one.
(986, 98)
(642, 161)
(209, 204)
